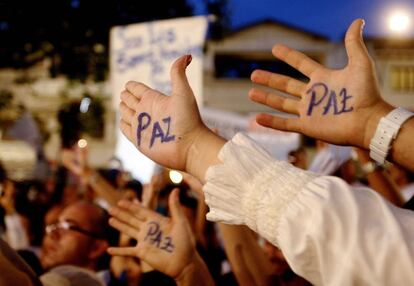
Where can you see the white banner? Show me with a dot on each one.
(144, 52)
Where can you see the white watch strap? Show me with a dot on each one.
(386, 132)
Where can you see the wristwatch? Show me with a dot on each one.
(386, 132)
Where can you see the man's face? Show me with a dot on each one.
(69, 242)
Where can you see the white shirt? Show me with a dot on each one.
(329, 232)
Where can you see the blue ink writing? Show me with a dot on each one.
(345, 97)
(313, 92)
(320, 91)
(152, 230)
(155, 237)
(142, 126)
(144, 120)
(156, 133)
(168, 246)
(331, 102)
(168, 137)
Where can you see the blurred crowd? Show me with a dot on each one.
(62, 222)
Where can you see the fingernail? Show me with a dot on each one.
(188, 60)
(363, 24)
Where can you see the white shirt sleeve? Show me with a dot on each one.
(329, 232)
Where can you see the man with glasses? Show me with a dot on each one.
(80, 237)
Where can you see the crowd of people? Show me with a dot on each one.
(240, 217)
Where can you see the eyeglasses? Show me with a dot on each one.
(65, 225)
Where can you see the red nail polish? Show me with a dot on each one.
(188, 60)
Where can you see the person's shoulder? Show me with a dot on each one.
(70, 275)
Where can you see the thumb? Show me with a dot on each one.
(179, 80)
(174, 204)
(354, 44)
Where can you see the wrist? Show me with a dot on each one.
(195, 272)
(203, 152)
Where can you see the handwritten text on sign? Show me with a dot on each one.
(147, 50)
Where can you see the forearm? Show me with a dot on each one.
(402, 148)
(378, 179)
(195, 273)
(256, 261)
(101, 187)
(10, 275)
(382, 184)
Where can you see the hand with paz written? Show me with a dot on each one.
(162, 127)
(166, 244)
(338, 106)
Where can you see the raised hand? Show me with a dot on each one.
(166, 244)
(338, 106)
(162, 127)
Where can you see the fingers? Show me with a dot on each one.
(135, 208)
(279, 82)
(180, 85)
(137, 89)
(124, 227)
(275, 101)
(127, 114)
(279, 123)
(122, 251)
(174, 204)
(129, 99)
(296, 59)
(126, 130)
(133, 217)
(355, 47)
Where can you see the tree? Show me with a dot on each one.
(74, 33)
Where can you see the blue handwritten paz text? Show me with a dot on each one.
(320, 94)
(144, 121)
(155, 237)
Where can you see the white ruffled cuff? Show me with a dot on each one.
(250, 187)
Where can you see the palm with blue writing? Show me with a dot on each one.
(162, 127)
(338, 106)
(166, 244)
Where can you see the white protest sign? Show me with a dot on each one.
(145, 52)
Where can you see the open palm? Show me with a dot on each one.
(335, 105)
(166, 244)
(156, 123)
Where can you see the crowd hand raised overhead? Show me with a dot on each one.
(338, 106)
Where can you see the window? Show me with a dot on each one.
(402, 78)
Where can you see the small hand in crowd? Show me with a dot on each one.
(166, 244)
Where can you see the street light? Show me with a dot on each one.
(399, 21)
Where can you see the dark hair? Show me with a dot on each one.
(110, 175)
(136, 186)
(3, 174)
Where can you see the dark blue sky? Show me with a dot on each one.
(327, 17)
